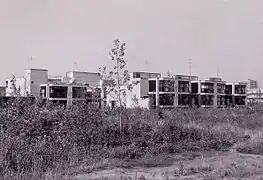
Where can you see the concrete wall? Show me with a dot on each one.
(137, 93)
(93, 79)
(33, 79)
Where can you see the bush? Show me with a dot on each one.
(37, 137)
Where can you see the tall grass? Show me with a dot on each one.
(37, 139)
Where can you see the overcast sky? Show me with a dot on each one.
(160, 35)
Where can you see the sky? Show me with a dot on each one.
(219, 36)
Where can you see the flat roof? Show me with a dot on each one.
(83, 72)
(37, 69)
(79, 85)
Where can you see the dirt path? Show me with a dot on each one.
(208, 165)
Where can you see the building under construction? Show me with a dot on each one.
(154, 90)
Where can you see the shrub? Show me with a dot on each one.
(40, 138)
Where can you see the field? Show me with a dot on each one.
(84, 142)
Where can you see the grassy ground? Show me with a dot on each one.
(48, 142)
(206, 166)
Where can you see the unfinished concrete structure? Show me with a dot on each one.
(67, 94)
(72, 87)
(254, 92)
(139, 96)
(150, 90)
(208, 93)
(214, 92)
(29, 84)
(172, 91)
(154, 90)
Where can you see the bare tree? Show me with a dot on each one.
(117, 80)
(16, 92)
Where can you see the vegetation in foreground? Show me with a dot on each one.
(39, 141)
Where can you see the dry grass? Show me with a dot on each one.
(49, 142)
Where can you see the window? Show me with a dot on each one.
(43, 91)
(6, 84)
(240, 100)
(79, 92)
(207, 88)
(166, 86)
(221, 100)
(194, 87)
(32, 82)
(183, 99)
(221, 88)
(58, 92)
(167, 99)
(240, 89)
(183, 86)
(136, 75)
(207, 100)
(152, 86)
(228, 89)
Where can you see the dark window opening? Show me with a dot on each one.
(166, 99)
(89, 97)
(207, 88)
(229, 101)
(194, 87)
(166, 86)
(221, 88)
(79, 92)
(183, 99)
(220, 100)
(152, 101)
(58, 92)
(136, 75)
(152, 86)
(240, 89)
(207, 100)
(194, 101)
(239, 100)
(183, 86)
(228, 89)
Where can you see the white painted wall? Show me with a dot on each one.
(33, 79)
(93, 79)
(20, 83)
(137, 93)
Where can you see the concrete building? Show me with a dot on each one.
(173, 92)
(88, 78)
(252, 84)
(74, 86)
(150, 90)
(29, 84)
(67, 94)
(139, 95)
(184, 91)
(208, 93)
(255, 95)
(153, 89)
(237, 93)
